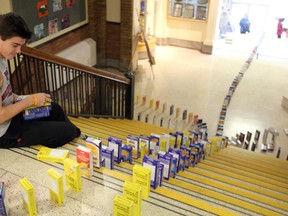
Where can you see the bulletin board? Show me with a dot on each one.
(48, 19)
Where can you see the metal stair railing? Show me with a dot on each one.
(80, 90)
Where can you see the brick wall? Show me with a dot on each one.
(127, 9)
(113, 41)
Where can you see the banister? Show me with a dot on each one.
(68, 63)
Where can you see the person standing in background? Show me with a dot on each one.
(280, 27)
(244, 25)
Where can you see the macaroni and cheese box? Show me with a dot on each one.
(133, 141)
(56, 186)
(186, 140)
(179, 139)
(34, 112)
(144, 145)
(154, 166)
(85, 159)
(164, 142)
(182, 162)
(123, 206)
(52, 155)
(95, 146)
(72, 175)
(28, 196)
(173, 140)
(107, 157)
(154, 144)
(141, 176)
(126, 153)
(161, 172)
(133, 192)
(174, 166)
(115, 144)
(165, 159)
(187, 151)
(176, 153)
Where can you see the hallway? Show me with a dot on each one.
(199, 83)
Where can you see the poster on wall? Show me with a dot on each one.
(49, 19)
(42, 8)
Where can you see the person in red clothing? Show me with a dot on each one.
(280, 27)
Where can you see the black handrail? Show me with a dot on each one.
(81, 90)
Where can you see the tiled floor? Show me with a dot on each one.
(199, 83)
(186, 79)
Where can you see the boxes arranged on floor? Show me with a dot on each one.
(165, 159)
(154, 165)
(3, 206)
(85, 159)
(176, 153)
(34, 112)
(56, 186)
(144, 145)
(133, 141)
(95, 146)
(154, 144)
(28, 196)
(161, 172)
(141, 176)
(126, 153)
(52, 155)
(123, 206)
(133, 192)
(72, 175)
(107, 157)
(115, 144)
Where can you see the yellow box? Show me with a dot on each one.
(123, 206)
(28, 196)
(52, 155)
(141, 176)
(72, 175)
(56, 186)
(133, 192)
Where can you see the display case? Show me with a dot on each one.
(188, 9)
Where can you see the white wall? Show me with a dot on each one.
(83, 52)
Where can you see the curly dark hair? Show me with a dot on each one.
(12, 25)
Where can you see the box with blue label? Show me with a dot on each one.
(174, 162)
(164, 142)
(187, 151)
(196, 148)
(154, 144)
(165, 159)
(173, 140)
(154, 166)
(133, 141)
(182, 162)
(126, 153)
(144, 145)
(176, 154)
(116, 145)
(107, 155)
(161, 170)
(179, 139)
(34, 112)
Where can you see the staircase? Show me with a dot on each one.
(232, 181)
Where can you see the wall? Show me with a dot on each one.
(193, 34)
(114, 42)
(83, 52)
